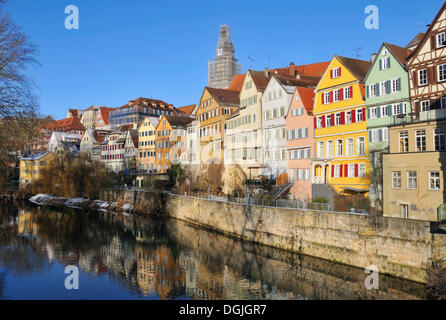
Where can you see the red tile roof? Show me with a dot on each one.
(105, 113)
(237, 82)
(64, 125)
(307, 97)
(359, 68)
(400, 53)
(310, 70)
(187, 109)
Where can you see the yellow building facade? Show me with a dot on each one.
(216, 105)
(145, 160)
(341, 155)
(31, 166)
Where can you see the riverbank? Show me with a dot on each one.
(398, 247)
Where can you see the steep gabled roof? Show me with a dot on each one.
(359, 68)
(428, 32)
(399, 53)
(307, 97)
(187, 109)
(223, 96)
(416, 40)
(260, 79)
(293, 82)
(237, 82)
(178, 122)
(311, 70)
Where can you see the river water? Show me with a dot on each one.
(134, 257)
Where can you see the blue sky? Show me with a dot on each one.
(160, 49)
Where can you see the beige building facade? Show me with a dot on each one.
(413, 171)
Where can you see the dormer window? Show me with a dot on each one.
(441, 40)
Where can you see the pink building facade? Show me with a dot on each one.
(300, 143)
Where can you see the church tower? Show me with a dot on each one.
(225, 66)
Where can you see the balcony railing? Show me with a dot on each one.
(423, 116)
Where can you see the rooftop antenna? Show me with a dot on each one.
(358, 52)
(252, 61)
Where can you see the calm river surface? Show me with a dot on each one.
(133, 257)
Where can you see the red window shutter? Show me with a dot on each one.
(340, 71)
(433, 42)
(363, 114)
(331, 73)
(322, 97)
(341, 94)
(356, 170)
(341, 171)
(414, 79)
(353, 116)
(331, 96)
(323, 121)
(332, 171)
(332, 120)
(315, 122)
(342, 117)
(345, 170)
(351, 91)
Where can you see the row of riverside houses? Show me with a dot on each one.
(342, 127)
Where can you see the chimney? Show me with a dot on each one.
(373, 57)
(266, 72)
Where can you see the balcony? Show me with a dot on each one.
(422, 116)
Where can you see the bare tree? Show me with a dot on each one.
(18, 104)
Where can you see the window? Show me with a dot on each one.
(336, 72)
(337, 119)
(412, 180)
(383, 88)
(442, 72)
(320, 150)
(385, 63)
(405, 211)
(434, 180)
(384, 111)
(361, 146)
(347, 93)
(422, 77)
(348, 118)
(425, 105)
(330, 149)
(420, 139)
(373, 113)
(351, 170)
(337, 170)
(396, 180)
(360, 115)
(441, 40)
(439, 141)
(395, 85)
(443, 102)
(339, 147)
(372, 90)
(336, 95)
(328, 120)
(326, 97)
(350, 146)
(404, 141)
(319, 122)
(361, 170)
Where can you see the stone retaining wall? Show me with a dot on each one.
(398, 247)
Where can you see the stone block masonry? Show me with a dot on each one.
(398, 247)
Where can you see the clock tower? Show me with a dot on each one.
(225, 66)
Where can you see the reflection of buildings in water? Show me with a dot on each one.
(190, 265)
(119, 257)
(26, 224)
(145, 271)
(169, 276)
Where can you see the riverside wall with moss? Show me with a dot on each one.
(398, 247)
